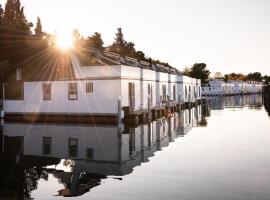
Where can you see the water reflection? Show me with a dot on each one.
(80, 157)
(86, 153)
(238, 101)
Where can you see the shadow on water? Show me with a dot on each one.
(80, 157)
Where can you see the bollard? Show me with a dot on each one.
(2, 114)
(119, 117)
(149, 108)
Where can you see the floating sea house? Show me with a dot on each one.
(218, 87)
(95, 86)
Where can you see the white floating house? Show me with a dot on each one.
(218, 87)
(73, 86)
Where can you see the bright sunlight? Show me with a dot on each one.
(64, 41)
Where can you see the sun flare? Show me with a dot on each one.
(64, 41)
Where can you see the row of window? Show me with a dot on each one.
(72, 148)
(72, 90)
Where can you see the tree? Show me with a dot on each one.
(218, 75)
(121, 46)
(38, 29)
(199, 71)
(95, 41)
(255, 76)
(1, 13)
(233, 76)
(186, 71)
(266, 80)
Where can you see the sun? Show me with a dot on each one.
(64, 41)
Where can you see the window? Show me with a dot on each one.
(150, 93)
(131, 94)
(89, 153)
(18, 74)
(47, 145)
(164, 92)
(72, 91)
(174, 93)
(14, 91)
(89, 87)
(46, 90)
(72, 147)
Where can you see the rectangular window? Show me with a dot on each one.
(90, 153)
(72, 147)
(14, 91)
(150, 93)
(164, 93)
(18, 74)
(131, 94)
(72, 91)
(47, 145)
(46, 90)
(174, 93)
(89, 87)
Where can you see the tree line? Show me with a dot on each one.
(18, 42)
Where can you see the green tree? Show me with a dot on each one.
(266, 80)
(186, 71)
(255, 76)
(200, 71)
(121, 46)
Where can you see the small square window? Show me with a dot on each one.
(89, 87)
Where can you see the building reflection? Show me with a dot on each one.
(81, 156)
(253, 101)
(267, 106)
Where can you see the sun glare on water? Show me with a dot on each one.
(64, 41)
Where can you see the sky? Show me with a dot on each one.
(227, 35)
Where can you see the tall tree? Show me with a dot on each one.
(38, 29)
(96, 41)
(200, 71)
(1, 13)
(121, 46)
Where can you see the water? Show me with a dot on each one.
(219, 151)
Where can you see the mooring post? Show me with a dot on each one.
(179, 101)
(168, 104)
(2, 112)
(149, 108)
(119, 117)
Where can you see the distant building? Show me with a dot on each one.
(218, 87)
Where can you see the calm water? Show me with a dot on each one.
(219, 151)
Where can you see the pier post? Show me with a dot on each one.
(149, 108)
(119, 117)
(179, 101)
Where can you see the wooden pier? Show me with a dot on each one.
(132, 118)
(137, 117)
(266, 93)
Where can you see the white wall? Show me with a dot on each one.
(102, 100)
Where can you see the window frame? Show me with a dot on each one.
(89, 85)
(73, 90)
(45, 88)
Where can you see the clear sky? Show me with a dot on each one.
(228, 35)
